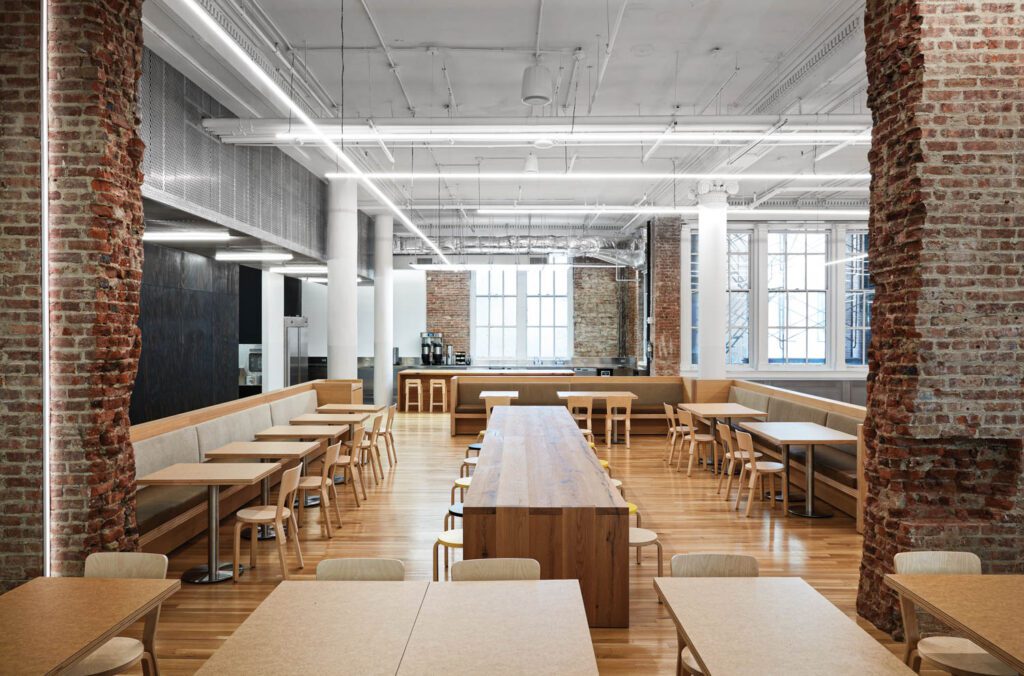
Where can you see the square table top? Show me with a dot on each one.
(210, 474)
(282, 432)
(784, 433)
(596, 394)
(722, 410)
(780, 625)
(50, 623)
(499, 394)
(356, 418)
(351, 408)
(264, 450)
(986, 608)
(523, 627)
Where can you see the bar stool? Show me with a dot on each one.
(450, 539)
(413, 385)
(454, 512)
(435, 385)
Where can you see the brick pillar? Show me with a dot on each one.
(945, 414)
(21, 421)
(665, 280)
(95, 271)
(448, 301)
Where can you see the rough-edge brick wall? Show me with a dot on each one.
(945, 411)
(605, 308)
(95, 51)
(665, 292)
(448, 307)
(21, 341)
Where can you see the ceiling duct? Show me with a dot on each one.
(627, 252)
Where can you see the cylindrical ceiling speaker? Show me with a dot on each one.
(536, 86)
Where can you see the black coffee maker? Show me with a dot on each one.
(431, 348)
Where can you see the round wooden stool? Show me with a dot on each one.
(450, 539)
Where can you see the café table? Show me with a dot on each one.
(770, 625)
(353, 419)
(52, 623)
(324, 434)
(600, 394)
(713, 412)
(786, 434)
(494, 398)
(264, 451)
(351, 408)
(213, 475)
(985, 608)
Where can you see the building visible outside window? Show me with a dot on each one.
(797, 291)
(737, 337)
(524, 314)
(494, 325)
(859, 292)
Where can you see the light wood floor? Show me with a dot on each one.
(404, 514)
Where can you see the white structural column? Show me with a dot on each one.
(272, 329)
(342, 307)
(383, 308)
(712, 276)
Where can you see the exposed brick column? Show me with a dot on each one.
(21, 340)
(665, 291)
(448, 301)
(595, 312)
(945, 413)
(96, 269)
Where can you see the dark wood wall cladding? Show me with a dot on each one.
(189, 321)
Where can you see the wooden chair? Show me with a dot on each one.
(620, 409)
(491, 402)
(489, 570)
(676, 433)
(270, 514)
(442, 385)
(707, 565)
(450, 539)
(368, 451)
(958, 656)
(735, 457)
(389, 436)
(699, 441)
(324, 486)
(360, 570)
(121, 653)
(582, 411)
(758, 470)
(413, 385)
(350, 464)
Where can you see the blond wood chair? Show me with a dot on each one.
(617, 485)
(271, 514)
(413, 385)
(369, 450)
(489, 570)
(450, 539)
(707, 565)
(351, 465)
(491, 402)
(958, 656)
(389, 436)
(360, 570)
(439, 384)
(619, 409)
(734, 458)
(324, 486)
(756, 471)
(675, 434)
(699, 441)
(121, 653)
(582, 411)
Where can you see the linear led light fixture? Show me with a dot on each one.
(315, 280)
(186, 236)
(594, 176)
(847, 260)
(253, 256)
(317, 133)
(300, 270)
(581, 211)
(378, 134)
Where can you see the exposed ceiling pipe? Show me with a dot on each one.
(381, 144)
(452, 105)
(390, 57)
(570, 88)
(657, 144)
(845, 144)
(753, 144)
(609, 46)
(540, 16)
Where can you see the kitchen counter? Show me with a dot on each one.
(427, 373)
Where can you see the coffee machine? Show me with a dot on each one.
(431, 348)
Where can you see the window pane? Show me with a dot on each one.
(776, 346)
(532, 343)
(533, 311)
(816, 272)
(816, 242)
(797, 306)
(547, 311)
(561, 342)
(776, 242)
(510, 311)
(510, 343)
(776, 309)
(496, 304)
(481, 283)
(739, 268)
(816, 346)
(547, 342)
(796, 345)
(496, 350)
(532, 282)
(561, 312)
(483, 345)
(776, 272)
(483, 311)
(795, 272)
(796, 242)
(816, 309)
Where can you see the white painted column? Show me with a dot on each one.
(272, 330)
(712, 276)
(342, 308)
(383, 308)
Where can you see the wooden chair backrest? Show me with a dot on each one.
(745, 442)
(686, 419)
(725, 433)
(714, 565)
(581, 405)
(139, 565)
(491, 402)
(330, 461)
(670, 417)
(375, 428)
(485, 570)
(357, 437)
(289, 484)
(361, 570)
(937, 563)
(616, 403)
(391, 417)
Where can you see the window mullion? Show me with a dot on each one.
(521, 315)
(760, 289)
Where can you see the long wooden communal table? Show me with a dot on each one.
(539, 492)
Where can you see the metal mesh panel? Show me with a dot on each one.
(174, 132)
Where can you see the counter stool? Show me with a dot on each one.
(450, 539)
(435, 385)
(462, 484)
(467, 465)
(413, 385)
(640, 538)
(604, 463)
(454, 511)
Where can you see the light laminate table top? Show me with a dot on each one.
(210, 474)
(596, 394)
(354, 418)
(50, 623)
(988, 609)
(351, 408)
(786, 433)
(264, 450)
(288, 432)
(499, 394)
(771, 625)
(722, 410)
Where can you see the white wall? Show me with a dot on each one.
(364, 316)
(273, 332)
(314, 307)
(410, 310)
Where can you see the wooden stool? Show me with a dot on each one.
(450, 539)
(467, 465)
(640, 538)
(438, 384)
(410, 385)
(462, 484)
(454, 511)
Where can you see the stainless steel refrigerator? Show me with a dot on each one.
(296, 350)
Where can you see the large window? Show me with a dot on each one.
(737, 337)
(523, 314)
(547, 313)
(797, 292)
(494, 323)
(859, 292)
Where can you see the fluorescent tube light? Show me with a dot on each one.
(315, 280)
(300, 270)
(594, 176)
(186, 236)
(584, 210)
(253, 256)
(847, 260)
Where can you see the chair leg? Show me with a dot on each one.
(436, 545)
(694, 448)
(254, 532)
(661, 564)
(362, 484)
(753, 488)
(238, 550)
(295, 539)
(739, 485)
(281, 539)
(149, 667)
(325, 513)
(627, 433)
(350, 479)
(721, 477)
(638, 557)
(337, 501)
(670, 438)
(785, 494)
(302, 505)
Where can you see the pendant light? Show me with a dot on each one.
(536, 86)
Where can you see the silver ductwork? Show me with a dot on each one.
(628, 252)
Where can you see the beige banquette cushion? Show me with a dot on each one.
(754, 400)
(157, 504)
(837, 462)
(239, 426)
(283, 410)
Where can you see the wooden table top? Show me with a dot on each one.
(210, 474)
(264, 450)
(351, 408)
(499, 394)
(722, 410)
(424, 373)
(537, 627)
(49, 623)
(779, 625)
(353, 418)
(596, 394)
(284, 432)
(986, 608)
(314, 627)
(535, 456)
(783, 433)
